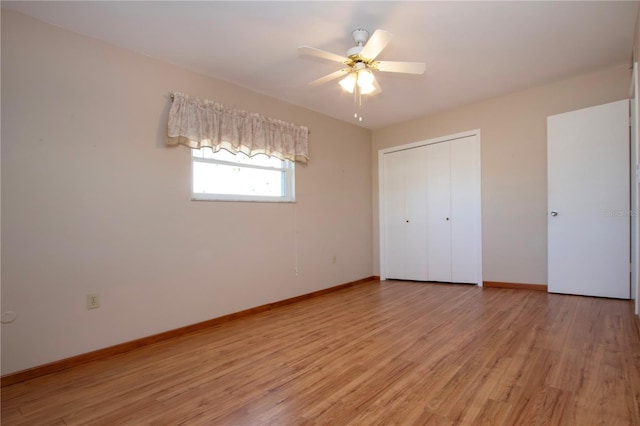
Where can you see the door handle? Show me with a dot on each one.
(554, 213)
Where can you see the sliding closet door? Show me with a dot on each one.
(405, 200)
(453, 209)
(465, 209)
(394, 213)
(430, 211)
(416, 217)
(438, 212)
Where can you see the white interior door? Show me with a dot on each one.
(588, 201)
(439, 212)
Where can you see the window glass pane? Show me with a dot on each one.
(224, 155)
(264, 160)
(223, 179)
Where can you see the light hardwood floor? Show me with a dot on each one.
(375, 354)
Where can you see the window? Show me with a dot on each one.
(236, 177)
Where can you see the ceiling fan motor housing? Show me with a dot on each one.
(360, 36)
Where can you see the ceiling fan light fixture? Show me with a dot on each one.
(365, 78)
(359, 77)
(361, 63)
(365, 89)
(349, 82)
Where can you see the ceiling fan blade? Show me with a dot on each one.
(376, 43)
(404, 67)
(330, 77)
(306, 50)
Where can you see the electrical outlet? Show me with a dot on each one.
(335, 258)
(93, 301)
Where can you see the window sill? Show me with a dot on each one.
(236, 198)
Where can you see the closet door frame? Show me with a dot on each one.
(381, 198)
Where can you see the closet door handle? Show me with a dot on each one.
(447, 218)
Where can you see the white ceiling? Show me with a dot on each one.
(473, 50)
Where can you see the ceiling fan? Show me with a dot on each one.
(360, 62)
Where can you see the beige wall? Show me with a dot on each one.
(92, 201)
(513, 144)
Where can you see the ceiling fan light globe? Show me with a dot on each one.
(365, 89)
(348, 83)
(365, 78)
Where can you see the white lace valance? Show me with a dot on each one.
(199, 123)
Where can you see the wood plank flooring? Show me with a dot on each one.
(390, 353)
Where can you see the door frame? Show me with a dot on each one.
(381, 198)
(634, 168)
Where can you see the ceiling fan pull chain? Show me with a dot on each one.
(358, 114)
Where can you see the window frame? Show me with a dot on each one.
(287, 182)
